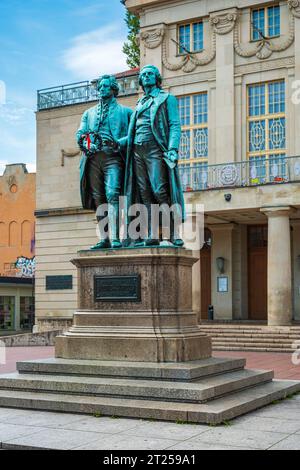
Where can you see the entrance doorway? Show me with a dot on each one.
(205, 261)
(257, 272)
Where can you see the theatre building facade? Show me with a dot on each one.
(236, 74)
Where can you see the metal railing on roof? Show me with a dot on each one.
(81, 92)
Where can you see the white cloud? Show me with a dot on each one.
(95, 53)
(13, 113)
(31, 167)
(3, 164)
(17, 135)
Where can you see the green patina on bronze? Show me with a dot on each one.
(152, 149)
(132, 154)
(103, 161)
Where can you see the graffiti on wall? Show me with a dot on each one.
(26, 266)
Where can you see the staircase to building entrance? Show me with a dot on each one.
(249, 337)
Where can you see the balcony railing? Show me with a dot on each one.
(254, 172)
(81, 92)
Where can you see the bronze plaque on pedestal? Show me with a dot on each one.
(117, 288)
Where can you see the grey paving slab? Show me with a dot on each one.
(197, 445)
(279, 412)
(103, 425)
(290, 443)
(12, 431)
(41, 418)
(225, 435)
(130, 443)
(59, 439)
(167, 430)
(267, 424)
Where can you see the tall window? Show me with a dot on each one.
(190, 36)
(267, 132)
(265, 22)
(193, 152)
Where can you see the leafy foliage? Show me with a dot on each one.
(131, 47)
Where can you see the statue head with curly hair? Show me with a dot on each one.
(149, 73)
(107, 85)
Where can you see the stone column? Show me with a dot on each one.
(279, 266)
(223, 23)
(222, 247)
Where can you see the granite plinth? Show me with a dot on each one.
(158, 327)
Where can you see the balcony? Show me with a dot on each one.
(275, 170)
(83, 92)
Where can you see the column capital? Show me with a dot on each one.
(278, 211)
(222, 21)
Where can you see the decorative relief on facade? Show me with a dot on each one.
(294, 6)
(264, 49)
(189, 62)
(223, 23)
(153, 37)
(68, 154)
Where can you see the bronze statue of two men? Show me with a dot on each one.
(132, 155)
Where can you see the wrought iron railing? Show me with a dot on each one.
(81, 92)
(255, 172)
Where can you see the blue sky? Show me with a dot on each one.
(45, 43)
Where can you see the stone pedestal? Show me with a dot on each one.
(158, 325)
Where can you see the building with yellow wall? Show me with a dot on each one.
(234, 67)
(17, 240)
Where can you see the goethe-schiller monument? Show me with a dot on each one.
(135, 348)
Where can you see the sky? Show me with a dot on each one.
(46, 43)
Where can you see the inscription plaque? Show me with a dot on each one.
(59, 282)
(118, 288)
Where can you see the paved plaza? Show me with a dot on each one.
(274, 427)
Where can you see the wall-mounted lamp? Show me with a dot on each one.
(221, 264)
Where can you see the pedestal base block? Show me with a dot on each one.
(135, 305)
(134, 349)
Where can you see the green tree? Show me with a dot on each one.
(131, 47)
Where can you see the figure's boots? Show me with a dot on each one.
(114, 225)
(152, 239)
(174, 233)
(104, 238)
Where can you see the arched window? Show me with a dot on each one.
(3, 234)
(13, 234)
(26, 233)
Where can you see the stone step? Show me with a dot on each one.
(253, 340)
(200, 391)
(270, 337)
(251, 348)
(213, 412)
(253, 344)
(188, 371)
